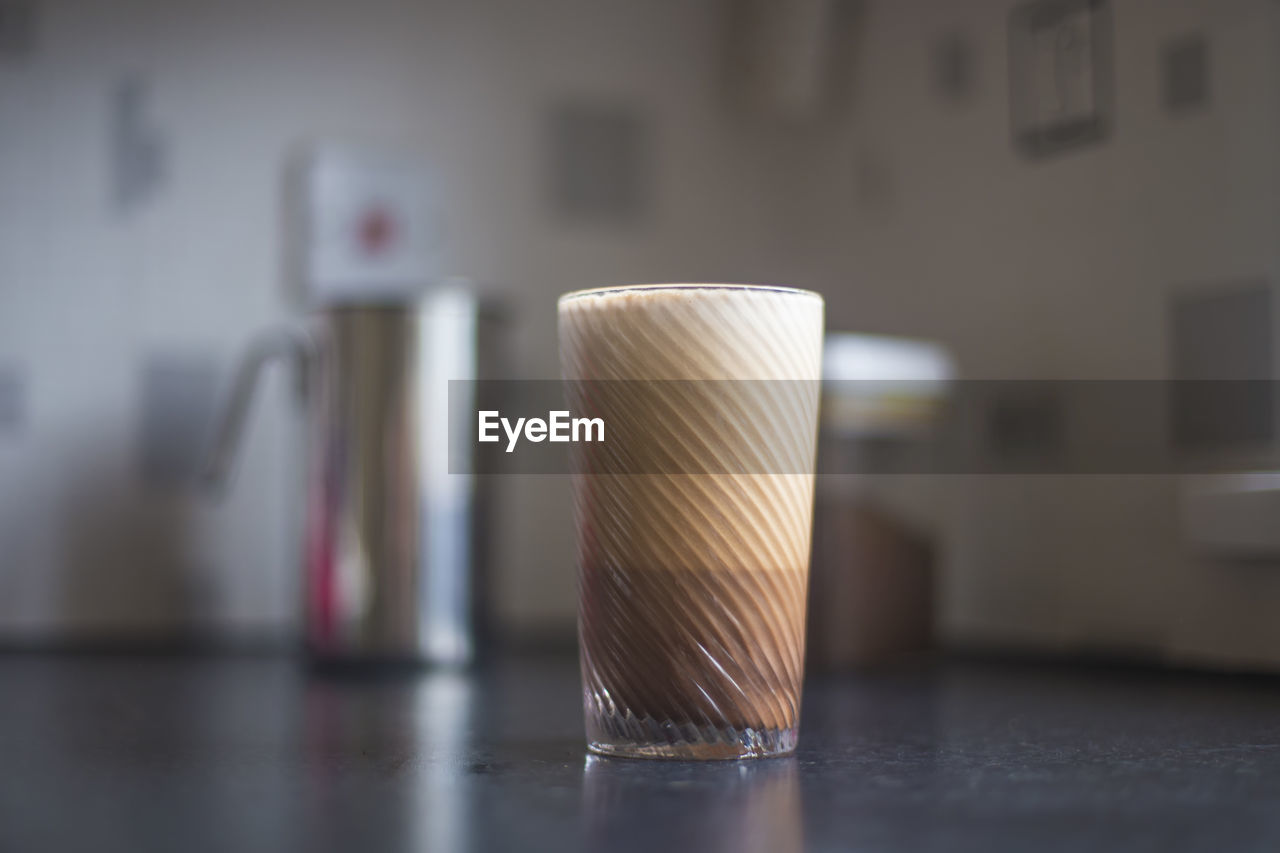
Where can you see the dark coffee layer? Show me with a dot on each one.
(707, 647)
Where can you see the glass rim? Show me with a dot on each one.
(626, 288)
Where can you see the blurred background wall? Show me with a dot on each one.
(103, 298)
(132, 275)
(1066, 267)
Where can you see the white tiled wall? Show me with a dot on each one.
(89, 295)
(1064, 268)
(913, 215)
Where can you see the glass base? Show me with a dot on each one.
(631, 737)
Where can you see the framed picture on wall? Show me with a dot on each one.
(1060, 75)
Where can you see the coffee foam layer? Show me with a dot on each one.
(691, 332)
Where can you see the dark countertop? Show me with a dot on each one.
(243, 753)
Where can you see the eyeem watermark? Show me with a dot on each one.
(558, 427)
(974, 426)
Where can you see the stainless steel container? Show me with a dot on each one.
(391, 548)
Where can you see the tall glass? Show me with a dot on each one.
(694, 515)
